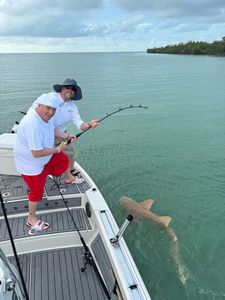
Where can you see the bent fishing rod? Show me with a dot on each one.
(107, 116)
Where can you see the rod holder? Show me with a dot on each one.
(115, 240)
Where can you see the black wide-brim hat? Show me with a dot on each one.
(70, 82)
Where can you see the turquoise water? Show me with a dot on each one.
(172, 152)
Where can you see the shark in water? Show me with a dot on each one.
(142, 209)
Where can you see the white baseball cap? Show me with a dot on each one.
(49, 99)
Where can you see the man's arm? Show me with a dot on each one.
(45, 151)
(61, 134)
(87, 125)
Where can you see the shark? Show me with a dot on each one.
(142, 209)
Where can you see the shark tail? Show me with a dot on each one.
(182, 270)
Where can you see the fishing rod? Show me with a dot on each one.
(22, 112)
(107, 116)
(102, 119)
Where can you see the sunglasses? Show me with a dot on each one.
(70, 87)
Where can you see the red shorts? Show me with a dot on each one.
(56, 166)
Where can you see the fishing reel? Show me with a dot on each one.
(88, 260)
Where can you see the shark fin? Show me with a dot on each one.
(165, 220)
(147, 203)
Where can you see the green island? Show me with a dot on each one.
(193, 48)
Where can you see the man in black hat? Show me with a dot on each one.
(68, 92)
(69, 85)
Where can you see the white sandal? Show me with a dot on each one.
(79, 180)
(39, 226)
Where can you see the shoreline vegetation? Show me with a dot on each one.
(193, 48)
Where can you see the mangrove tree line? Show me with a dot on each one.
(193, 48)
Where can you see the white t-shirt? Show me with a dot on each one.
(33, 134)
(65, 113)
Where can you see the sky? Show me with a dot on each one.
(28, 26)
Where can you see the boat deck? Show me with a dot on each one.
(55, 274)
(59, 221)
(51, 209)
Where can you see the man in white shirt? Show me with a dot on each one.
(67, 93)
(35, 155)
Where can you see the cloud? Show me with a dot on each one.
(73, 18)
(52, 18)
(99, 24)
(123, 25)
(176, 8)
(40, 26)
(22, 7)
(59, 20)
